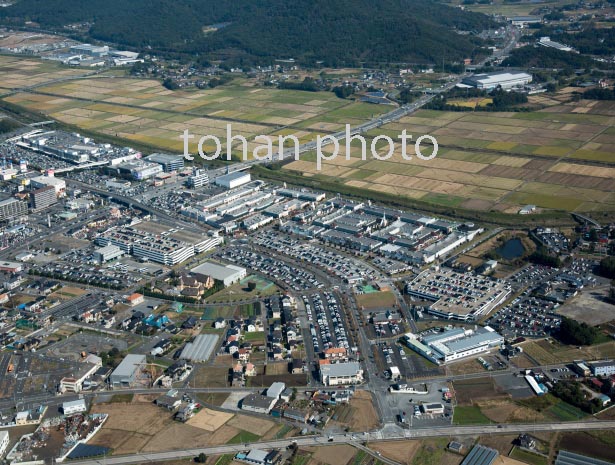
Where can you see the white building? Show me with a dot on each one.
(74, 406)
(4, 442)
(276, 390)
(232, 180)
(107, 253)
(603, 368)
(547, 42)
(59, 185)
(90, 50)
(341, 373)
(503, 79)
(459, 343)
(228, 274)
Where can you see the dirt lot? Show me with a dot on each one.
(334, 455)
(503, 411)
(475, 390)
(209, 420)
(363, 416)
(400, 451)
(502, 443)
(251, 424)
(139, 426)
(224, 435)
(589, 307)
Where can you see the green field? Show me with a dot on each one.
(566, 412)
(244, 436)
(528, 457)
(469, 415)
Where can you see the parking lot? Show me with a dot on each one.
(292, 277)
(411, 366)
(334, 263)
(327, 328)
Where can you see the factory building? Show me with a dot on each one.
(232, 180)
(503, 79)
(168, 162)
(90, 50)
(126, 372)
(258, 403)
(12, 209)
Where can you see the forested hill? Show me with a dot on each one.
(340, 32)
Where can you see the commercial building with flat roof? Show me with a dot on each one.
(59, 185)
(4, 442)
(43, 198)
(167, 161)
(454, 344)
(341, 373)
(458, 296)
(126, 372)
(603, 368)
(228, 274)
(198, 178)
(74, 406)
(12, 208)
(258, 403)
(503, 79)
(107, 253)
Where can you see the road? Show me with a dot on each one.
(352, 439)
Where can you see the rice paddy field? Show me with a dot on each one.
(143, 110)
(561, 158)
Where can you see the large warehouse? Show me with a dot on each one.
(232, 180)
(126, 372)
(503, 79)
(228, 274)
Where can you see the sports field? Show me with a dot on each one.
(557, 158)
(143, 110)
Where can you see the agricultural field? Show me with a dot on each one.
(551, 352)
(137, 425)
(556, 158)
(142, 110)
(19, 72)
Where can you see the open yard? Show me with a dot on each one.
(471, 391)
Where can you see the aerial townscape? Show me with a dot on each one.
(314, 232)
